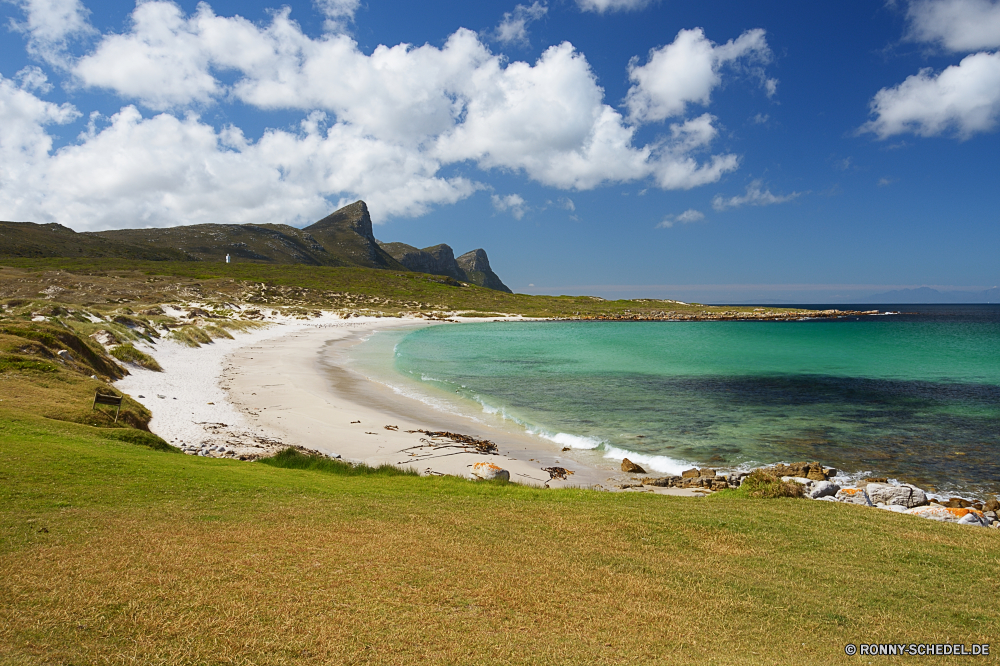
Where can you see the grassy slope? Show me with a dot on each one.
(317, 286)
(111, 553)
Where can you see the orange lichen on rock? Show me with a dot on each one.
(961, 513)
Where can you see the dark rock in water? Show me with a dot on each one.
(631, 468)
(690, 473)
(875, 479)
(992, 505)
(958, 503)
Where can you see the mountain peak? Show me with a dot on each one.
(354, 216)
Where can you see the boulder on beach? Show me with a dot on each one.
(690, 473)
(487, 471)
(823, 489)
(631, 468)
(801, 480)
(853, 496)
(905, 495)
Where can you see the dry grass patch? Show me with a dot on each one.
(150, 558)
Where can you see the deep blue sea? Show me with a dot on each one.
(913, 396)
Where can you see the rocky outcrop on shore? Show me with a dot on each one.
(758, 314)
(821, 483)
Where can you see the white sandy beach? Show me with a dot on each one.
(281, 386)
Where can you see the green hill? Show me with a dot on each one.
(29, 240)
(342, 239)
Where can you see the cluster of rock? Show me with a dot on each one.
(705, 478)
(906, 498)
(820, 483)
(249, 452)
(710, 479)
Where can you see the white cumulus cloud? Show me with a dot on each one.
(687, 70)
(512, 202)
(513, 29)
(50, 25)
(956, 25)
(688, 216)
(963, 99)
(338, 12)
(601, 6)
(754, 196)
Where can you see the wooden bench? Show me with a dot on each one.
(116, 400)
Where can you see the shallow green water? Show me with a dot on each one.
(912, 397)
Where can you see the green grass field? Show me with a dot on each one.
(113, 553)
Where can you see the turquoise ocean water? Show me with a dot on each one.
(910, 396)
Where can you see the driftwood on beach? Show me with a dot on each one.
(480, 445)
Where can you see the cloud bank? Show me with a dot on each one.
(394, 127)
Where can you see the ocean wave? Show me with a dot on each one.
(662, 464)
(572, 441)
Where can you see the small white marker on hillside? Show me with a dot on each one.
(227, 258)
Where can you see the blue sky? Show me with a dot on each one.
(712, 151)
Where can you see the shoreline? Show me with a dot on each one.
(286, 385)
(280, 386)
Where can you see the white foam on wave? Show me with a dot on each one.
(663, 464)
(572, 441)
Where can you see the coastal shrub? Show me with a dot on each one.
(218, 332)
(292, 459)
(129, 354)
(192, 336)
(762, 485)
(140, 438)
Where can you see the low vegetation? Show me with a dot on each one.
(292, 459)
(296, 288)
(760, 484)
(49, 370)
(127, 353)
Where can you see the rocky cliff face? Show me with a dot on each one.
(348, 231)
(436, 260)
(471, 267)
(477, 267)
